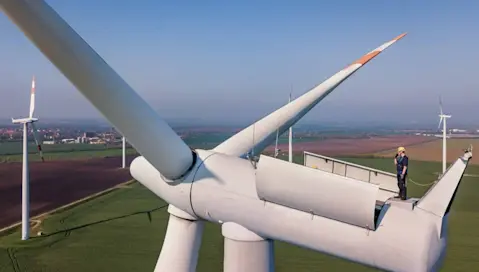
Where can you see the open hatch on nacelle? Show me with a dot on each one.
(387, 181)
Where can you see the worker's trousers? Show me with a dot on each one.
(402, 186)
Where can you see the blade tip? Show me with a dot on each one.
(33, 85)
(366, 58)
(400, 36)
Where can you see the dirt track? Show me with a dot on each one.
(342, 147)
(56, 183)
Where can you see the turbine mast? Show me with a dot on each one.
(290, 137)
(276, 151)
(444, 149)
(123, 152)
(442, 118)
(25, 187)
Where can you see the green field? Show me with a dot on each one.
(12, 151)
(15, 148)
(114, 233)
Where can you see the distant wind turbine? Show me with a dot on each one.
(442, 118)
(25, 172)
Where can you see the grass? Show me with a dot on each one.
(114, 233)
(70, 152)
(69, 155)
(12, 151)
(15, 148)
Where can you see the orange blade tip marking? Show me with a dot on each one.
(400, 36)
(367, 57)
(364, 59)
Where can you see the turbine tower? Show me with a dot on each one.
(123, 156)
(25, 171)
(276, 149)
(290, 138)
(290, 141)
(442, 118)
(256, 202)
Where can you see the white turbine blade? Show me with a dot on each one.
(440, 121)
(439, 198)
(288, 115)
(102, 86)
(32, 98)
(440, 105)
(37, 142)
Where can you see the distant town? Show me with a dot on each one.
(97, 135)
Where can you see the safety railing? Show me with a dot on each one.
(387, 181)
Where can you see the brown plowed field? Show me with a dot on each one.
(432, 151)
(56, 183)
(343, 147)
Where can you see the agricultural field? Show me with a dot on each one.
(210, 140)
(14, 148)
(432, 151)
(124, 231)
(56, 183)
(12, 151)
(344, 146)
(354, 146)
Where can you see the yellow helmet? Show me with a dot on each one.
(401, 149)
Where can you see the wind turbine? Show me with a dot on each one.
(255, 203)
(442, 118)
(25, 171)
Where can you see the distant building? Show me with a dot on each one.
(68, 141)
(89, 134)
(96, 140)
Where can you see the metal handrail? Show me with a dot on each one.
(350, 163)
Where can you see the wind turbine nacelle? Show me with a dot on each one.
(24, 120)
(302, 207)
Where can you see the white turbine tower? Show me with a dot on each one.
(290, 138)
(256, 202)
(25, 171)
(290, 141)
(123, 152)
(442, 118)
(276, 149)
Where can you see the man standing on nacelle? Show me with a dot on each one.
(401, 162)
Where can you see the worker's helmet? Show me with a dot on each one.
(401, 149)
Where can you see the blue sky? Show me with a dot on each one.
(235, 61)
